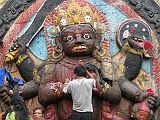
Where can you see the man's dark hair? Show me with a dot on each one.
(80, 71)
(90, 67)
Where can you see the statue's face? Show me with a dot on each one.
(78, 40)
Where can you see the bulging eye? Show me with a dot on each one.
(70, 38)
(86, 36)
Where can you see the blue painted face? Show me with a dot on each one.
(78, 40)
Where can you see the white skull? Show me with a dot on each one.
(126, 34)
(63, 22)
(87, 19)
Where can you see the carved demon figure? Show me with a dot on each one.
(75, 31)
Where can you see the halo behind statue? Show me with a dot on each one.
(134, 27)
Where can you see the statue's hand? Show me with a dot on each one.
(153, 102)
(57, 89)
(56, 86)
(143, 96)
(16, 53)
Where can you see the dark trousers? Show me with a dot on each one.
(81, 115)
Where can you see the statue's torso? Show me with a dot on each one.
(58, 73)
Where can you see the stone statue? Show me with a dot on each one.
(76, 31)
(73, 43)
(136, 39)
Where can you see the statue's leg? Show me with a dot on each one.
(130, 90)
(50, 112)
(105, 111)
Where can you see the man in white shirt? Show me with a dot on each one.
(81, 92)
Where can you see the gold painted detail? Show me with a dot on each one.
(11, 56)
(36, 75)
(21, 59)
(135, 52)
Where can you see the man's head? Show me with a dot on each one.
(92, 70)
(80, 71)
(91, 67)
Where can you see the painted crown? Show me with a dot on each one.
(72, 12)
(76, 14)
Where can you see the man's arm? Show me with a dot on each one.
(65, 87)
(96, 87)
(95, 76)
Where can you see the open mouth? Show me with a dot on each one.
(80, 47)
(139, 42)
(138, 39)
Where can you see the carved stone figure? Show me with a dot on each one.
(70, 44)
(76, 31)
(136, 39)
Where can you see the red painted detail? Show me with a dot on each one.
(127, 10)
(147, 45)
(150, 91)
